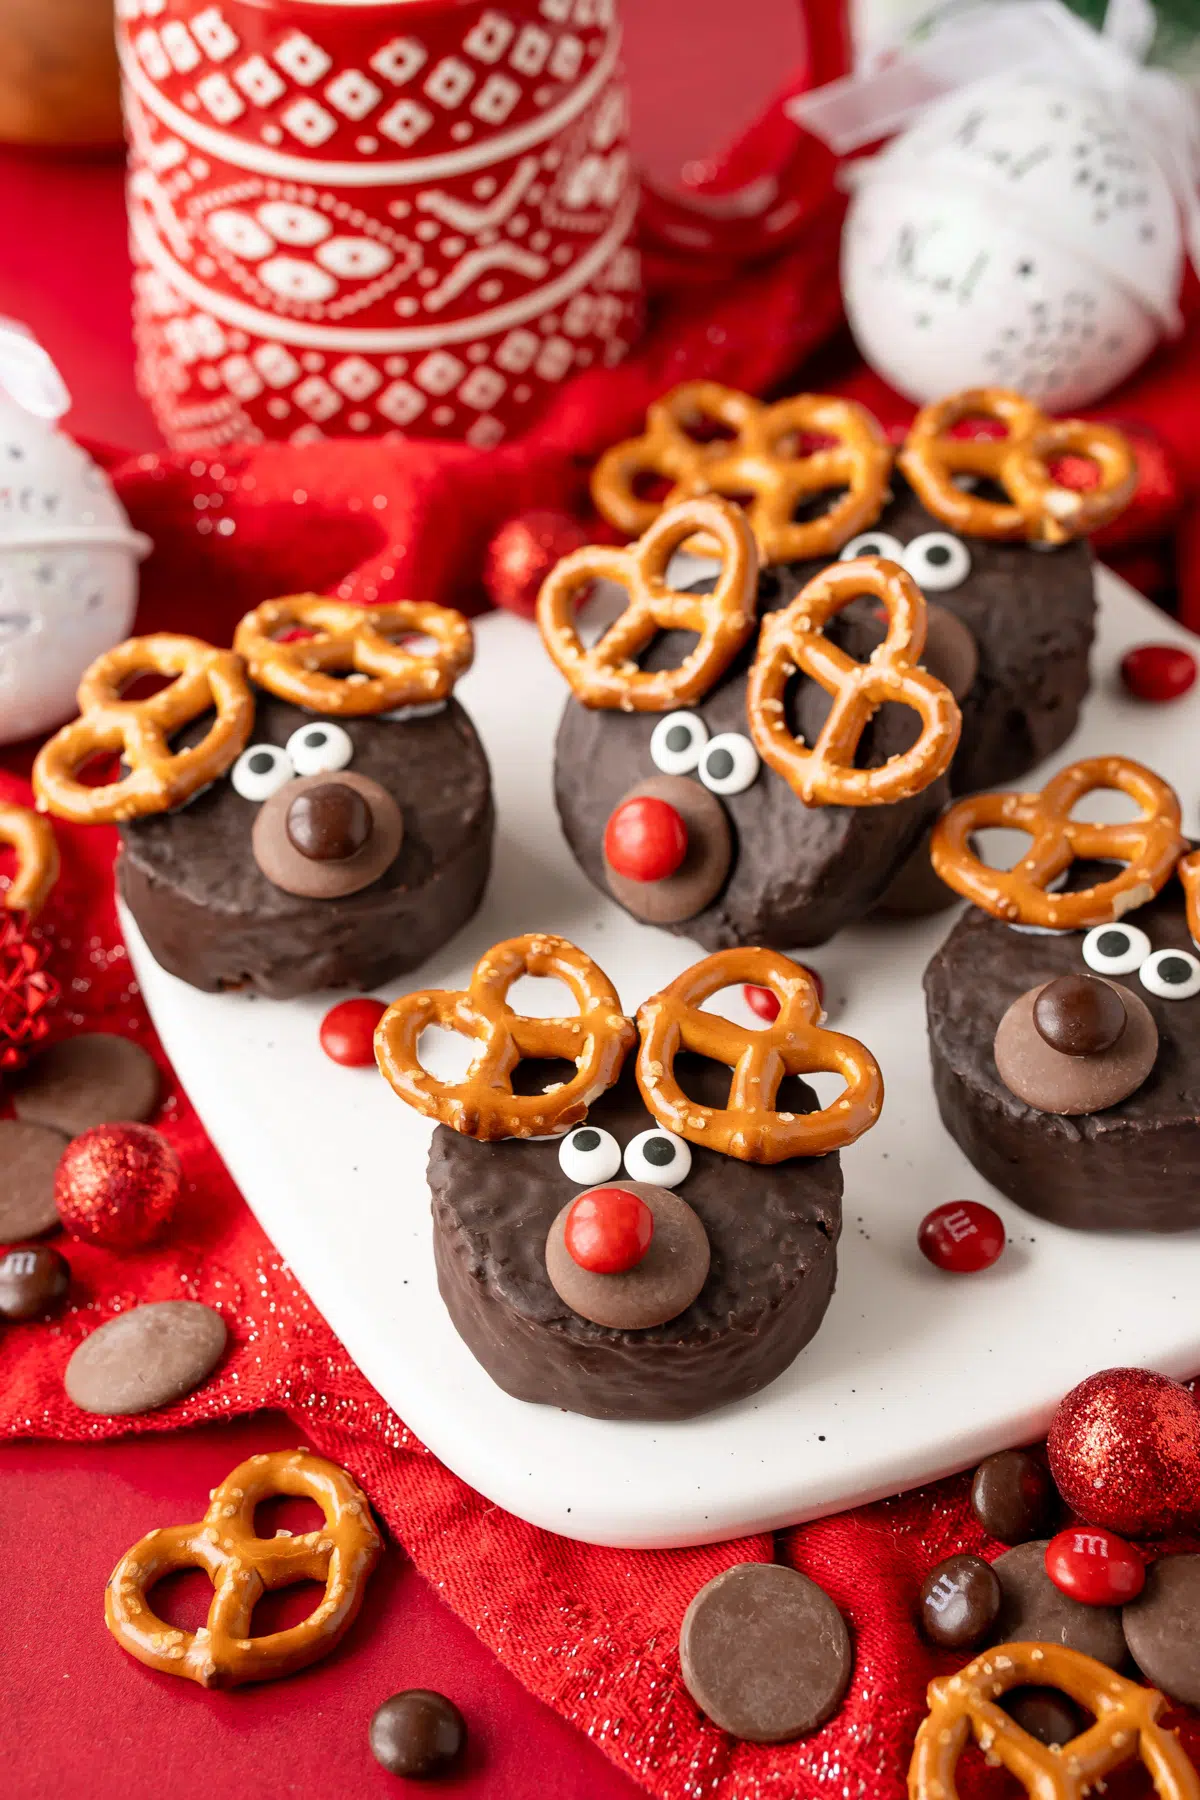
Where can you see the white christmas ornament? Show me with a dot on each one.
(68, 554)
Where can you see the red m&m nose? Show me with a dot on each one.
(1095, 1566)
(645, 839)
(608, 1230)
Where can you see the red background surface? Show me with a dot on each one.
(77, 1718)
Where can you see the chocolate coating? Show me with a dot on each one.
(772, 1233)
(325, 877)
(960, 1600)
(329, 822)
(96, 1078)
(145, 1358)
(657, 1289)
(1047, 1715)
(1079, 1015)
(1033, 1610)
(33, 1281)
(1162, 1627)
(915, 891)
(951, 653)
(1135, 1165)
(210, 916)
(701, 874)
(1012, 1496)
(765, 1653)
(28, 1158)
(418, 1734)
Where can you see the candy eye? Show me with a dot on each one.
(319, 749)
(657, 1156)
(678, 743)
(729, 764)
(261, 771)
(937, 561)
(872, 543)
(1115, 949)
(589, 1156)
(1171, 974)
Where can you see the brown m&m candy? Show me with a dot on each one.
(33, 1281)
(1033, 1610)
(960, 1600)
(418, 1734)
(1079, 1015)
(329, 822)
(1012, 1495)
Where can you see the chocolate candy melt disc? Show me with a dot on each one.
(145, 1358)
(1047, 1715)
(28, 1158)
(93, 1079)
(1162, 1627)
(1032, 1610)
(765, 1653)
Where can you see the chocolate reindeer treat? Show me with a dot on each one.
(1064, 1007)
(311, 809)
(639, 1238)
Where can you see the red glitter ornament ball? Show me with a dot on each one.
(1158, 672)
(348, 1032)
(117, 1185)
(1095, 1566)
(522, 554)
(961, 1237)
(1124, 1449)
(27, 992)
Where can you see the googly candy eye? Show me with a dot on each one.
(729, 764)
(1171, 974)
(589, 1156)
(261, 771)
(872, 543)
(677, 743)
(658, 1156)
(1115, 949)
(936, 561)
(320, 748)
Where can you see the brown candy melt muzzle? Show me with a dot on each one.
(706, 863)
(323, 837)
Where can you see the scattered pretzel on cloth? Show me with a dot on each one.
(358, 642)
(36, 848)
(483, 1105)
(796, 1043)
(1125, 1726)
(940, 466)
(1149, 846)
(607, 675)
(761, 457)
(242, 1567)
(794, 639)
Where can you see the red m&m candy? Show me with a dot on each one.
(348, 1032)
(1095, 1566)
(763, 1002)
(961, 1237)
(608, 1230)
(1158, 671)
(645, 839)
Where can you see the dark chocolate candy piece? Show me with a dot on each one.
(28, 1158)
(33, 1281)
(1012, 1496)
(1162, 1627)
(145, 1358)
(92, 1079)
(960, 1599)
(700, 876)
(765, 1653)
(418, 1734)
(1050, 1717)
(1033, 1610)
(1073, 1085)
(1080, 1015)
(328, 822)
(657, 1289)
(365, 816)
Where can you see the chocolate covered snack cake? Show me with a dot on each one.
(1064, 1020)
(642, 1242)
(309, 810)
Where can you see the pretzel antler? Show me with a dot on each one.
(1189, 874)
(1038, 507)
(749, 1127)
(761, 456)
(37, 857)
(358, 643)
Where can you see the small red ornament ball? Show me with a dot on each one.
(1158, 672)
(961, 1237)
(645, 839)
(522, 554)
(1124, 1449)
(762, 1001)
(608, 1230)
(117, 1185)
(348, 1032)
(1095, 1566)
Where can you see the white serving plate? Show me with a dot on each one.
(913, 1374)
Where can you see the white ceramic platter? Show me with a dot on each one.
(912, 1375)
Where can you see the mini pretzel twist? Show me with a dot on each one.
(356, 642)
(37, 857)
(748, 1127)
(607, 675)
(482, 1105)
(793, 639)
(1149, 846)
(762, 460)
(1125, 1726)
(1038, 507)
(205, 679)
(1189, 875)
(242, 1567)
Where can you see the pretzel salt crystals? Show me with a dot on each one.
(351, 665)
(1037, 508)
(37, 857)
(483, 1105)
(340, 1555)
(607, 675)
(796, 1043)
(794, 639)
(1124, 1725)
(158, 778)
(762, 457)
(1189, 874)
(1149, 846)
